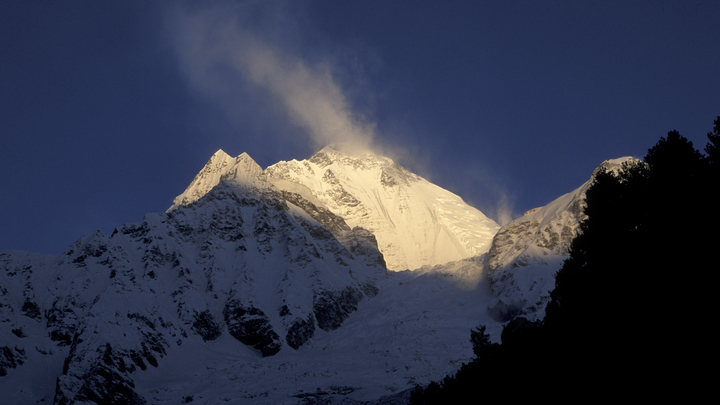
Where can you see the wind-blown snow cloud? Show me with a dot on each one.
(503, 210)
(225, 57)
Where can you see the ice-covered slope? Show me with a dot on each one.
(527, 252)
(416, 223)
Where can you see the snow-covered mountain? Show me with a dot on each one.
(416, 223)
(241, 260)
(270, 286)
(248, 288)
(528, 251)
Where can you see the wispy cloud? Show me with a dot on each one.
(225, 56)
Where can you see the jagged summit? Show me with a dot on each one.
(416, 223)
(220, 154)
(241, 171)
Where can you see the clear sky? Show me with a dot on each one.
(109, 109)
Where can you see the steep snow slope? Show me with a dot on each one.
(414, 331)
(416, 223)
(527, 252)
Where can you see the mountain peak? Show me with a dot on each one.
(220, 154)
(242, 171)
(416, 223)
(345, 149)
(615, 165)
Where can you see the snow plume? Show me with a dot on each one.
(230, 50)
(503, 210)
(496, 200)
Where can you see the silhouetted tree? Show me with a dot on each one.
(713, 143)
(482, 346)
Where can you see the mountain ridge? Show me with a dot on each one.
(416, 223)
(529, 250)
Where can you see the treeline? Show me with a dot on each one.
(632, 311)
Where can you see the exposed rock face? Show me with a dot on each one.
(359, 241)
(333, 307)
(10, 358)
(207, 326)
(252, 327)
(300, 332)
(106, 380)
(527, 252)
(31, 310)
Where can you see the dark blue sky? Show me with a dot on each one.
(107, 111)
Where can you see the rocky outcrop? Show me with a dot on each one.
(300, 331)
(100, 365)
(331, 308)
(252, 327)
(105, 379)
(206, 326)
(11, 358)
